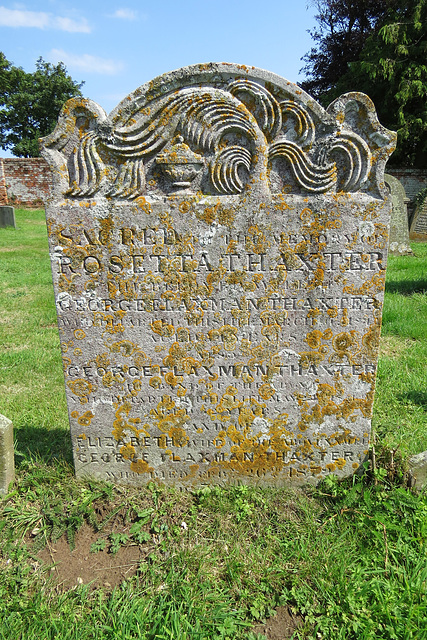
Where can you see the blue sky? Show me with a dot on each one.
(116, 46)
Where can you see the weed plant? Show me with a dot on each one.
(349, 556)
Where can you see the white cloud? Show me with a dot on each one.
(68, 24)
(125, 14)
(41, 20)
(87, 63)
(17, 18)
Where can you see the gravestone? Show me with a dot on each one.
(418, 229)
(218, 249)
(398, 242)
(7, 459)
(418, 470)
(7, 216)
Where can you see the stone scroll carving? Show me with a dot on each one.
(218, 136)
(218, 247)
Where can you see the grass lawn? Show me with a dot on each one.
(349, 557)
(400, 417)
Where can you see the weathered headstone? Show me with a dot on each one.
(7, 459)
(418, 469)
(7, 216)
(399, 229)
(418, 229)
(218, 249)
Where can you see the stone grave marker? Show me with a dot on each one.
(218, 249)
(399, 228)
(7, 216)
(7, 455)
(418, 229)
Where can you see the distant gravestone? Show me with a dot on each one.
(7, 459)
(7, 216)
(418, 229)
(399, 229)
(218, 249)
(418, 469)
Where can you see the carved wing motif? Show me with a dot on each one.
(317, 178)
(264, 106)
(236, 131)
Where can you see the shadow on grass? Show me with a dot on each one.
(407, 287)
(415, 397)
(49, 445)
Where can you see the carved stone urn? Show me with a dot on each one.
(180, 164)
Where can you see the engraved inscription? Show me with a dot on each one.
(219, 245)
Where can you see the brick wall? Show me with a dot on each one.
(24, 181)
(413, 180)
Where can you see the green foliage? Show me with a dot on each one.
(342, 29)
(117, 540)
(420, 197)
(51, 510)
(31, 102)
(137, 532)
(392, 69)
(405, 295)
(390, 66)
(375, 589)
(31, 378)
(99, 545)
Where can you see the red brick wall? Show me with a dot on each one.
(26, 181)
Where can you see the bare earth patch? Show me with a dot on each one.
(104, 570)
(80, 566)
(281, 626)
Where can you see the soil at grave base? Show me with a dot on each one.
(79, 566)
(70, 568)
(281, 626)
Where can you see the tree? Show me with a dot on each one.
(391, 67)
(30, 103)
(392, 70)
(343, 28)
